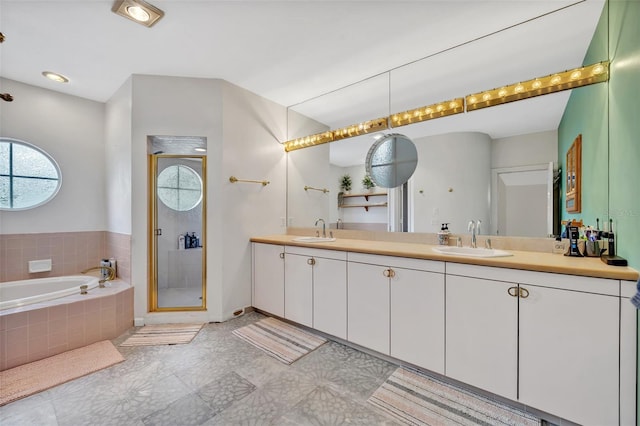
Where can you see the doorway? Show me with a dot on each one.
(522, 201)
(177, 237)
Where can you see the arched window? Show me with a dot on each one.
(29, 177)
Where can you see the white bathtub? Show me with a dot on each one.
(14, 294)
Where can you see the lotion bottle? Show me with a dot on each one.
(443, 235)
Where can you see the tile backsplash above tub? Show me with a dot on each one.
(70, 253)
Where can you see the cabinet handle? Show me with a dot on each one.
(513, 291)
(389, 273)
(281, 255)
(311, 261)
(524, 293)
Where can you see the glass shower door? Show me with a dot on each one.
(178, 233)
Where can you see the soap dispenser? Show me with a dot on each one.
(443, 235)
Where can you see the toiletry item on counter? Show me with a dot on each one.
(443, 235)
(573, 233)
(114, 266)
(104, 272)
(610, 257)
(181, 243)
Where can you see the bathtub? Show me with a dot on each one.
(14, 294)
(43, 317)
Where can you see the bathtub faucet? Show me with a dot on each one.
(112, 273)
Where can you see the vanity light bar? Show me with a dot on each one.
(558, 82)
(310, 140)
(441, 109)
(363, 128)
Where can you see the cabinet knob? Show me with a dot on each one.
(513, 291)
(389, 273)
(311, 261)
(281, 255)
(524, 293)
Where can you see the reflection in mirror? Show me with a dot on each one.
(469, 161)
(391, 160)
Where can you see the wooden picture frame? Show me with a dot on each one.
(573, 179)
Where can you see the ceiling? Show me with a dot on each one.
(294, 52)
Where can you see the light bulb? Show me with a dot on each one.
(519, 88)
(598, 69)
(138, 13)
(502, 93)
(576, 75)
(536, 84)
(556, 79)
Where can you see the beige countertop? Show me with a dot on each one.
(527, 260)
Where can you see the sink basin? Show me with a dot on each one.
(314, 239)
(472, 252)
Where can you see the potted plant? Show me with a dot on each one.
(368, 183)
(345, 183)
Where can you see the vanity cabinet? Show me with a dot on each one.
(482, 333)
(396, 307)
(268, 278)
(569, 354)
(559, 343)
(550, 341)
(315, 289)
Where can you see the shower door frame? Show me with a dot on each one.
(152, 287)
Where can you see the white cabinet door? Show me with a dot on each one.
(417, 318)
(569, 348)
(298, 288)
(481, 334)
(368, 306)
(330, 296)
(268, 278)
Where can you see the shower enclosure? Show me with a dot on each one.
(177, 206)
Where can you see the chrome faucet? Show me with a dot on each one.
(474, 228)
(324, 230)
(111, 277)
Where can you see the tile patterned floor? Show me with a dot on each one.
(217, 379)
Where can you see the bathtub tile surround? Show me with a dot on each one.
(70, 253)
(217, 379)
(41, 330)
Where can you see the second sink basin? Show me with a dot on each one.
(472, 252)
(314, 239)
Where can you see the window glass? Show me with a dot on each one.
(179, 187)
(29, 177)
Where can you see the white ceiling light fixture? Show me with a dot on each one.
(54, 76)
(138, 11)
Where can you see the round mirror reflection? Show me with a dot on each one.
(391, 160)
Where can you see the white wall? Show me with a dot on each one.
(253, 129)
(243, 132)
(118, 160)
(525, 150)
(71, 130)
(452, 181)
(181, 107)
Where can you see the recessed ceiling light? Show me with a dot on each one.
(138, 11)
(59, 78)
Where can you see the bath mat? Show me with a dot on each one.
(282, 341)
(27, 379)
(415, 399)
(163, 334)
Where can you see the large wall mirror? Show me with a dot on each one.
(496, 164)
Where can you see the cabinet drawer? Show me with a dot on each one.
(604, 286)
(397, 262)
(313, 252)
